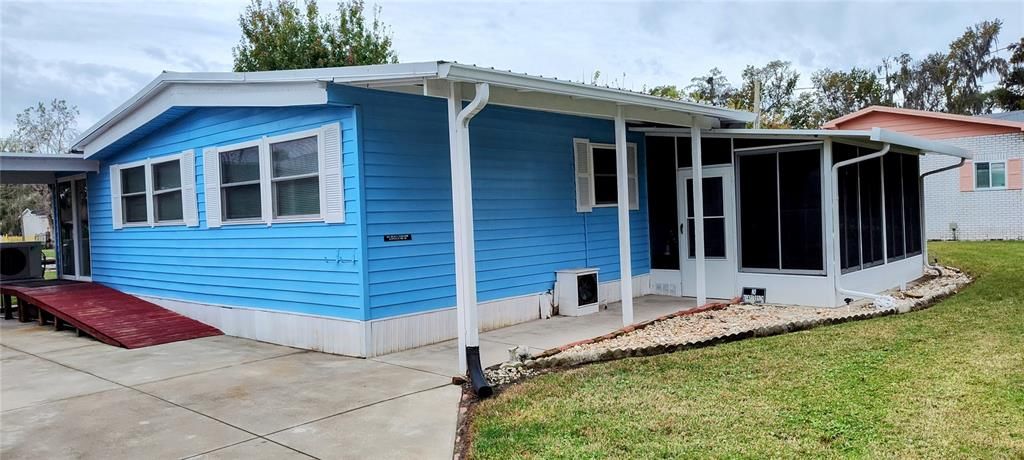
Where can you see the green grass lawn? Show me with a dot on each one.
(943, 382)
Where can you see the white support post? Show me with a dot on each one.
(698, 216)
(454, 106)
(622, 178)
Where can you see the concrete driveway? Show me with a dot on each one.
(220, 397)
(62, 396)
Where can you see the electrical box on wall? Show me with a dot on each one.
(577, 291)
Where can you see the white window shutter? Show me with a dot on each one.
(634, 183)
(584, 175)
(115, 198)
(266, 190)
(332, 185)
(211, 186)
(189, 208)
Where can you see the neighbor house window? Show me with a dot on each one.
(989, 174)
(155, 191)
(597, 173)
(780, 209)
(872, 192)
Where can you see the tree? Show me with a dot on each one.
(280, 35)
(712, 88)
(666, 91)
(1009, 95)
(970, 58)
(836, 93)
(47, 129)
(778, 83)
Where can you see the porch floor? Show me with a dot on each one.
(539, 335)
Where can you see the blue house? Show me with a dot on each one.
(365, 210)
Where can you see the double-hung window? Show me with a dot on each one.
(291, 178)
(597, 175)
(154, 191)
(989, 175)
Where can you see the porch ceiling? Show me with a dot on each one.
(36, 168)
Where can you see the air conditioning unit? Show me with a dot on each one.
(20, 261)
(577, 291)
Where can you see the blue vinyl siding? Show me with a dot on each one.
(524, 202)
(287, 267)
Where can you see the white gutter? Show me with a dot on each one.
(883, 301)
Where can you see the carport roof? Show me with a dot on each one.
(41, 168)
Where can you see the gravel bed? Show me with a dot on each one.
(739, 321)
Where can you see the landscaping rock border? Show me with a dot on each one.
(922, 294)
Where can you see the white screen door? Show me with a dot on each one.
(719, 232)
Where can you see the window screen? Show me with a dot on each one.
(133, 194)
(895, 240)
(758, 212)
(912, 203)
(800, 210)
(605, 187)
(296, 177)
(713, 151)
(240, 183)
(661, 202)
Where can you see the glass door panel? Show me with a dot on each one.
(65, 212)
(84, 259)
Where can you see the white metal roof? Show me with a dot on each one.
(308, 86)
(39, 168)
(874, 134)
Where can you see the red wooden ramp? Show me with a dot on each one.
(110, 316)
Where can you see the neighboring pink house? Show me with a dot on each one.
(985, 199)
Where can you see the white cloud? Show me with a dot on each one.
(96, 55)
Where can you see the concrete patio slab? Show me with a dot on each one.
(36, 339)
(253, 449)
(28, 381)
(403, 428)
(275, 394)
(442, 358)
(113, 424)
(7, 352)
(149, 364)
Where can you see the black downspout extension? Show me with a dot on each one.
(481, 388)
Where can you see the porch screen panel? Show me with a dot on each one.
(849, 210)
(912, 204)
(871, 211)
(713, 151)
(759, 224)
(892, 164)
(661, 202)
(800, 210)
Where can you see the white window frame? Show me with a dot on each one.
(268, 205)
(1006, 172)
(150, 193)
(593, 174)
(153, 192)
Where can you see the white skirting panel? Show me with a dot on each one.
(348, 337)
(404, 332)
(318, 333)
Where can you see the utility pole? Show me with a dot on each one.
(757, 104)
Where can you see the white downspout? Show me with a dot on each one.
(884, 301)
(462, 209)
(920, 203)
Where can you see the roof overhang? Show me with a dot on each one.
(905, 142)
(309, 87)
(979, 120)
(36, 168)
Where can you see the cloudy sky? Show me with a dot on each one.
(97, 54)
